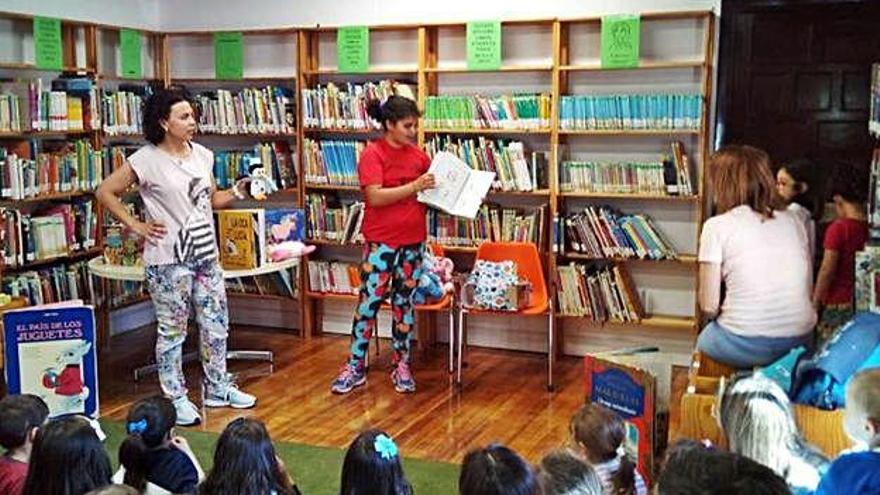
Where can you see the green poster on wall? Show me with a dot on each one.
(48, 50)
(353, 49)
(484, 45)
(620, 41)
(130, 51)
(228, 55)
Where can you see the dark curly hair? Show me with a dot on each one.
(158, 108)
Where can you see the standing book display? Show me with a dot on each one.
(50, 352)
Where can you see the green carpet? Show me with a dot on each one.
(316, 469)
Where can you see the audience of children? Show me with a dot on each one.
(372, 467)
(21, 416)
(598, 435)
(152, 458)
(756, 417)
(758, 251)
(833, 293)
(563, 473)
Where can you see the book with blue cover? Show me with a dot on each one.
(50, 352)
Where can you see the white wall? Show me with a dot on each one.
(142, 14)
(229, 14)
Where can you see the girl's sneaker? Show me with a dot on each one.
(231, 397)
(349, 378)
(403, 380)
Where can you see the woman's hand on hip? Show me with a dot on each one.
(151, 230)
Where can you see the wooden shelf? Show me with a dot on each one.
(683, 259)
(332, 187)
(503, 69)
(331, 296)
(457, 249)
(33, 67)
(33, 265)
(48, 197)
(643, 65)
(44, 134)
(487, 131)
(263, 297)
(403, 69)
(636, 197)
(324, 130)
(258, 135)
(124, 136)
(325, 242)
(133, 302)
(654, 321)
(629, 132)
(249, 79)
(538, 193)
(116, 78)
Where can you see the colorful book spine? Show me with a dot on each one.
(513, 111)
(513, 168)
(333, 222)
(331, 162)
(276, 158)
(267, 110)
(601, 232)
(75, 167)
(630, 112)
(122, 110)
(492, 223)
(345, 107)
(597, 293)
(334, 277)
(63, 282)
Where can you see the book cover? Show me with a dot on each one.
(237, 233)
(284, 224)
(50, 352)
(631, 393)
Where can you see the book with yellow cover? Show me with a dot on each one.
(241, 238)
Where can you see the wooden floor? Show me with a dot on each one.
(504, 398)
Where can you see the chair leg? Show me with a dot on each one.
(451, 324)
(460, 344)
(551, 350)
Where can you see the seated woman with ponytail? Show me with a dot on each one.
(152, 459)
(598, 435)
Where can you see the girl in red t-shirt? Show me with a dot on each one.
(391, 171)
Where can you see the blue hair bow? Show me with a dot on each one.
(385, 447)
(134, 427)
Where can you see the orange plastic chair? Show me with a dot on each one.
(446, 303)
(528, 263)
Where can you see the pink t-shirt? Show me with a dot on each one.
(767, 272)
(177, 192)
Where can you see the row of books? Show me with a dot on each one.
(280, 283)
(598, 293)
(331, 162)
(268, 110)
(602, 232)
(275, 158)
(123, 109)
(65, 105)
(334, 277)
(515, 111)
(73, 167)
(122, 292)
(652, 111)
(245, 236)
(492, 223)
(49, 233)
(867, 279)
(329, 221)
(334, 107)
(62, 282)
(514, 168)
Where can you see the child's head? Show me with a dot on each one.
(20, 418)
(849, 185)
(398, 115)
(149, 425)
(68, 457)
(692, 469)
(497, 470)
(599, 433)
(740, 175)
(372, 467)
(245, 462)
(562, 473)
(795, 183)
(862, 420)
(756, 417)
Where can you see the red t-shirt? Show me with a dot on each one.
(846, 236)
(402, 222)
(12, 476)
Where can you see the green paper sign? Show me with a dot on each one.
(47, 43)
(620, 41)
(353, 48)
(484, 45)
(130, 49)
(228, 55)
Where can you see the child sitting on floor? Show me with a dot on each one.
(20, 418)
(858, 472)
(372, 467)
(497, 470)
(153, 460)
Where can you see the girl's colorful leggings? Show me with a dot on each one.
(386, 271)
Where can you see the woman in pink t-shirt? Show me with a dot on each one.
(759, 252)
(175, 180)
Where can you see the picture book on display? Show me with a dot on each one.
(631, 393)
(241, 238)
(50, 352)
(459, 190)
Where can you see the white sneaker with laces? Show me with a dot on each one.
(187, 412)
(231, 397)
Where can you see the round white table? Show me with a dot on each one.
(98, 268)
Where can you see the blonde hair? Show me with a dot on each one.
(863, 392)
(741, 175)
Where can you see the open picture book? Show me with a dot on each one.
(459, 190)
